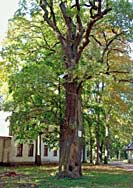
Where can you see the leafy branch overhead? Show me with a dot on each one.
(77, 34)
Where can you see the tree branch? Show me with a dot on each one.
(52, 12)
(52, 24)
(67, 18)
(100, 44)
(78, 29)
(124, 80)
(90, 24)
(108, 43)
(79, 26)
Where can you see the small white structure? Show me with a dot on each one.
(130, 152)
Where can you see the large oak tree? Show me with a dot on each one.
(78, 19)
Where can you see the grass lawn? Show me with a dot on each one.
(45, 177)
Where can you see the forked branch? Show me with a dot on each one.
(51, 22)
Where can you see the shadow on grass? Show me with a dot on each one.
(45, 177)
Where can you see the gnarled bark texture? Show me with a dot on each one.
(71, 134)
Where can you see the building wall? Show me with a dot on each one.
(20, 159)
(8, 147)
(5, 147)
(130, 156)
(25, 159)
(4, 123)
(50, 157)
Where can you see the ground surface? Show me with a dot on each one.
(123, 165)
(114, 175)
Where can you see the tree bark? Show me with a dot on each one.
(84, 160)
(71, 134)
(91, 151)
(106, 156)
(73, 43)
(91, 143)
(98, 142)
(101, 151)
(38, 151)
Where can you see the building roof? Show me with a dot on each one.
(5, 137)
(130, 146)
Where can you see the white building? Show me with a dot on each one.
(27, 153)
(12, 152)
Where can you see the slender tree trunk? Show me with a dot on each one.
(40, 147)
(91, 145)
(84, 154)
(71, 134)
(98, 153)
(101, 152)
(36, 146)
(38, 151)
(118, 154)
(91, 153)
(106, 156)
(98, 142)
(84, 157)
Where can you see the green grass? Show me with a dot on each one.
(45, 177)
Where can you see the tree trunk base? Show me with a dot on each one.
(71, 140)
(70, 174)
(105, 160)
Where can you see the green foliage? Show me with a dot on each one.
(122, 17)
(32, 68)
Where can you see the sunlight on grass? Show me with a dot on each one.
(45, 177)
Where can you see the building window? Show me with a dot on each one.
(30, 150)
(19, 150)
(45, 150)
(55, 153)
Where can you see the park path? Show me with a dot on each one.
(121, 164)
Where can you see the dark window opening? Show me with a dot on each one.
(31, 150)
(19, 150)
(55, 153)
(45, 150)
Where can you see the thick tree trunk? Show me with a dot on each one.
(71, 134)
